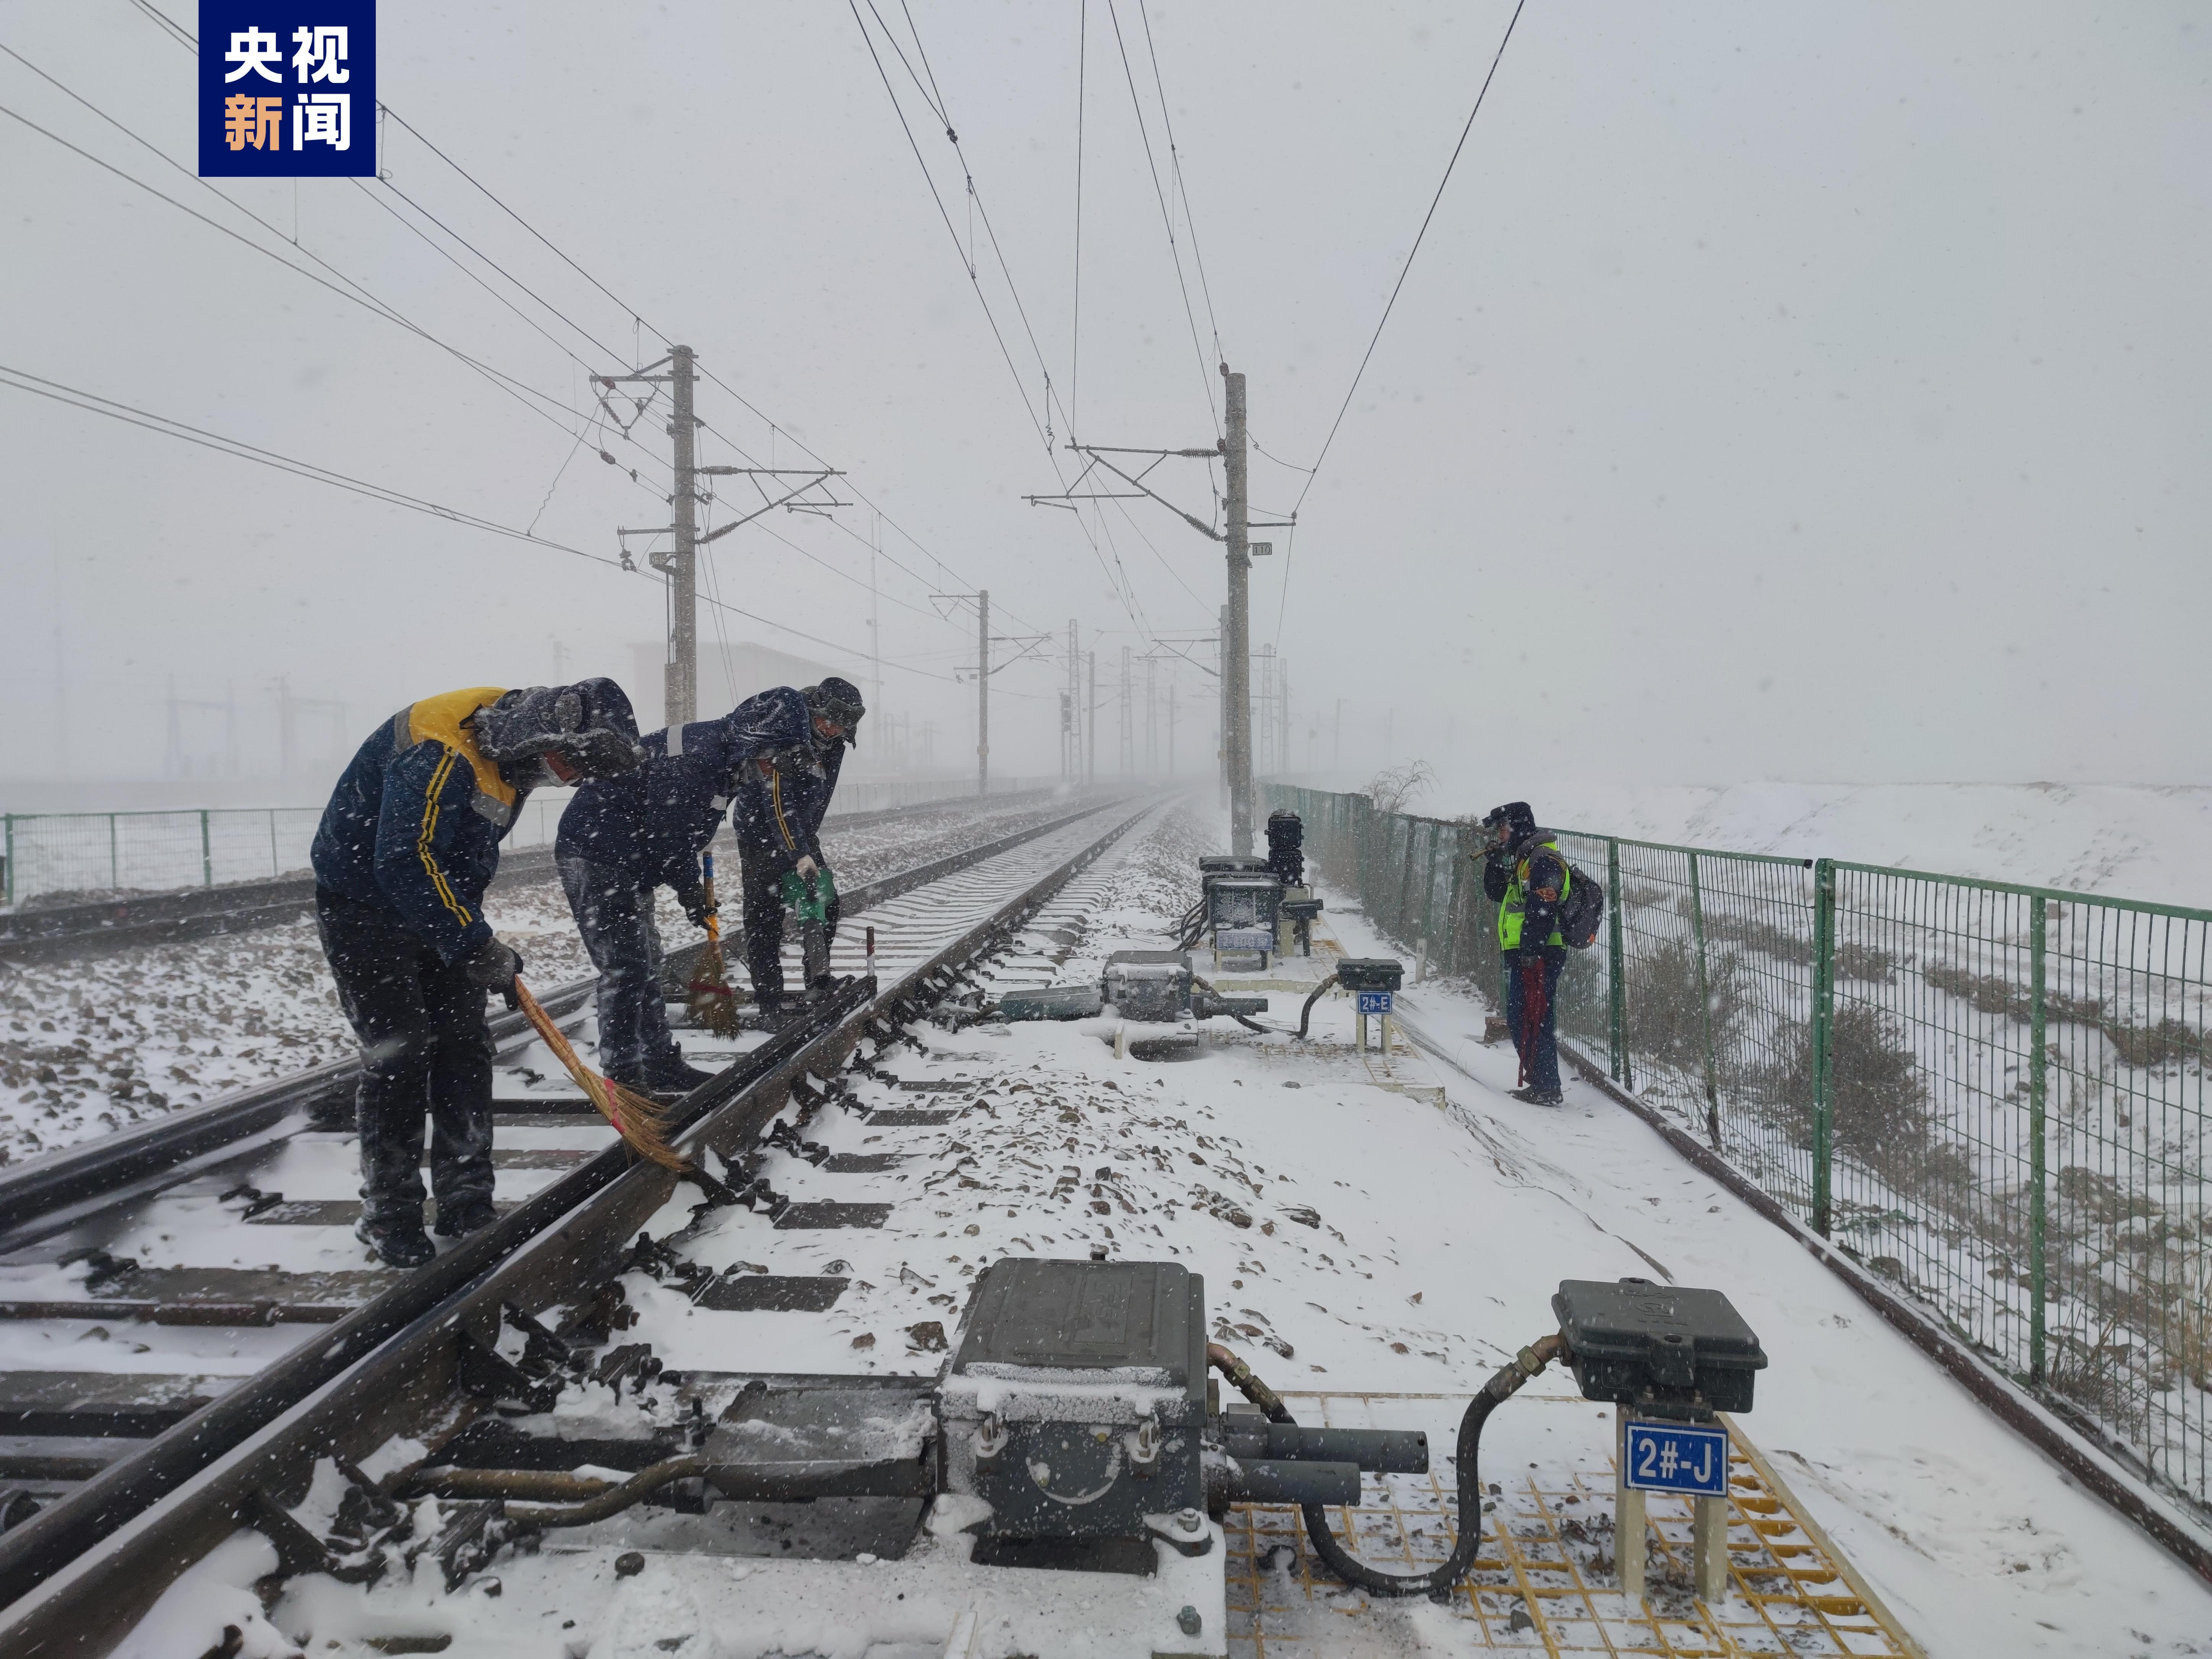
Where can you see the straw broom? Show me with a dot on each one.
(635, 1119)
(713, 1004)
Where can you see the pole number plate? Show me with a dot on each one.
(1375, 1002)
(1677, 1457)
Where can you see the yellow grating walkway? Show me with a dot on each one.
(1545, 1581)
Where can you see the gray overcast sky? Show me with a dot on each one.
(1782, 392)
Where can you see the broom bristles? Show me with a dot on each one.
(638, 1120)
(713, 1004)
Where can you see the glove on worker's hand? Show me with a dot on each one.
(694, 901)
(807, 868)
(493, 967)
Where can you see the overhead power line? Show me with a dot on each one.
(1205, 375)
(346, 287)
(1404, 272)
(93, 403)
(184, 38)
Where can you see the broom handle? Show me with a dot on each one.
(596, 1088)
(714, 921)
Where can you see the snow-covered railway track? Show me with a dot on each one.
(190, 1358)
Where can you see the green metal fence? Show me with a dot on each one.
(1993, 1095)
(97, 854)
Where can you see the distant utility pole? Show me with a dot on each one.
(1128, 733)
(1073, 757)
(985, 639)
(680, 564)
(1090, 726)
(1151, 716)
(1174, 714)
(1235, 626)
(1336, 754)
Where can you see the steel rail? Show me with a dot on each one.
(63, 1592)
(149, 1155)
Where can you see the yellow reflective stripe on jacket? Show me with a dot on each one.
(1514, 905)
(441, 720)
(423, 849)
(776, 801)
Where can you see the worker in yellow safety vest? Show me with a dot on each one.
(1524, 874)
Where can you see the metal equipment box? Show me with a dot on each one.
(1075, 1404)
(1370, 973)
(1662, 1348)
(1148, 985)
(1241, 911)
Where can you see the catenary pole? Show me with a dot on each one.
(983, 692)
(1090, 726)
(1237, 670)
(1221, 707)
(681, 692)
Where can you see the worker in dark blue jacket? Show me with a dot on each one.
(777, 817)
(623, 837)
(406, 847)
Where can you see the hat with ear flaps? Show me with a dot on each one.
(589, 725)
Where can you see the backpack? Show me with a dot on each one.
(1582, 911)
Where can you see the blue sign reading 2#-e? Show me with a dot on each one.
(1374, 1002)
(286, 89)
(1678, 1457)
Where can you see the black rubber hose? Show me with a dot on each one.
(1306, 1012)
(1439, 1580)
(1248, 1024)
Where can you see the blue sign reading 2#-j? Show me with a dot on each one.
(288, 88)
(1678, 1457)
(1374, 1002)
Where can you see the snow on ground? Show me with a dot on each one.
(103, 1042)
(2120, 841)
(1351, 1238)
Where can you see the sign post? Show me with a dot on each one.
(1691, 1459)
(1379, 1003)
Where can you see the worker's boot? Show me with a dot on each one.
(1535, 1097)
(398, 1242)
(464, 1216)
(671, 1072)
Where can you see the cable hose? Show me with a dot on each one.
(1248, 1024)
(1441, 1579)
(1305, 1013)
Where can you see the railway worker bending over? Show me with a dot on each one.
(405, 849)
(623, 837)
(1524, 874)
(778, 819)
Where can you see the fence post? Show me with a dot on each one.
(1705, 1007)
(114, 858)
(1428, 888)
(1616, 982)
(207, 852)
(8, 870)
(1405, 872)
(2038, 1083)
(1824, 1022)
(275, 864)
(1451, 904)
